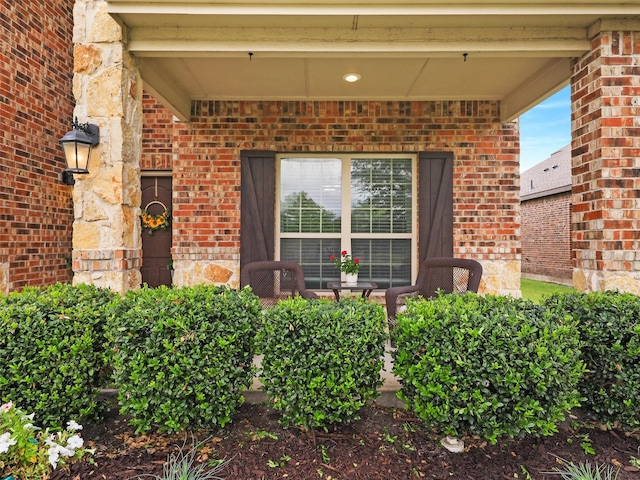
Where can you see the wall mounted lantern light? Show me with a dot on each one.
(77, 145)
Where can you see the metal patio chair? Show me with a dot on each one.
(450, 275)
(275, 280)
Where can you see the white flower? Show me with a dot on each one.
(6, 407)
(75, 442)
(5, 442)
(51, 439)
(72, 426)
(54, 453)
(56, 450)
(25, 418)
(67, 452)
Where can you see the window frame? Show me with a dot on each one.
(345, 239)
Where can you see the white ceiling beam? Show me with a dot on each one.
(169, 94)
(542, 48)
(548, 80)
(391, 33)
(410, 42)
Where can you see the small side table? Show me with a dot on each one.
(365, 287)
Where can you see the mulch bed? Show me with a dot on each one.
(387, 443)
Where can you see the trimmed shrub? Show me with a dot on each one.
(609, 325)
(51, 346)
(182, 357)
(322, 359)
(489, 366)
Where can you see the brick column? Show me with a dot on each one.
(606, 163)
(108, 92)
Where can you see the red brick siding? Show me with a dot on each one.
(206, 168)
(157, 135)
(606, 153)
(546, 236)
(36, 108)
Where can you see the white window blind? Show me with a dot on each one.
(360, 203)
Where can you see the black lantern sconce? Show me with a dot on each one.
(77, 145)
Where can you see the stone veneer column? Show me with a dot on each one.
(606, 162)
(108, 92)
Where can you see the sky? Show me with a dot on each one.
(545, 129)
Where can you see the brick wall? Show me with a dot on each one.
(157, 135)
(206, 168)
(36, 107)
(606, 162)
(546, 237)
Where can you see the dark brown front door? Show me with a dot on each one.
(156, 242)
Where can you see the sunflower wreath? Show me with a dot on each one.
(153, 222)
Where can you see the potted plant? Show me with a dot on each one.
(347, 265)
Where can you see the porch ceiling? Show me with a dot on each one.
(517, 52)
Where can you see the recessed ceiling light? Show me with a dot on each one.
(351, 77)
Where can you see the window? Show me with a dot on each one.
(364, 204)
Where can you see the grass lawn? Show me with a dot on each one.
(534, 290)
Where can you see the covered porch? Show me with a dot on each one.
(445, 80)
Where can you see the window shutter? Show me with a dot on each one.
(257, 206)
(435, 205)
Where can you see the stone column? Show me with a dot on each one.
(108, 92)
(606, 161)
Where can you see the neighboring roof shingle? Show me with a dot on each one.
(549, 177)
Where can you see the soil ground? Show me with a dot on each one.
(386, 443)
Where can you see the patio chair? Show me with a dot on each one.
(450, 275)
(273, 281)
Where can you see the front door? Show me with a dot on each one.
(156, 230)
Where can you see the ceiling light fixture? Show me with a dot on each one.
(351, 77)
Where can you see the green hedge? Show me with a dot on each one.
(182, 357)
(51, 344)
(488, 366)
(322, 359)
(609, 325)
